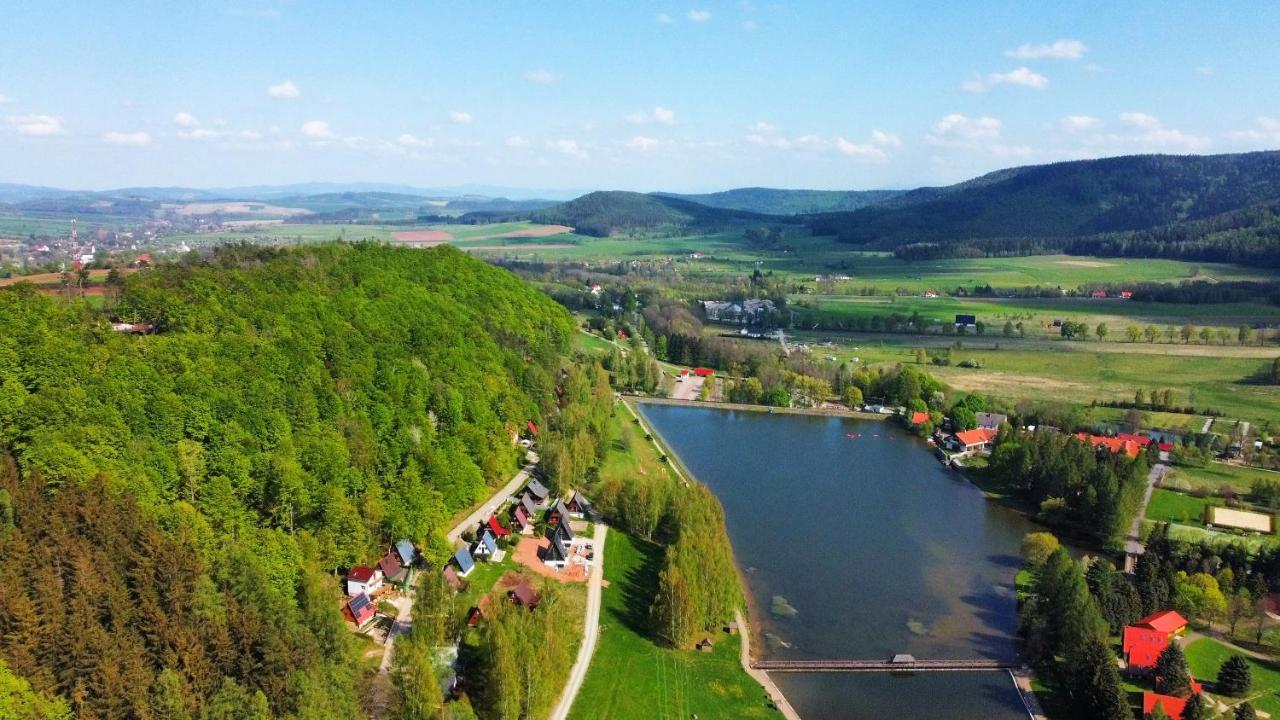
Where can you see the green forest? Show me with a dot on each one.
(184, 498)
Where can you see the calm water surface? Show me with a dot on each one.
(856, 543)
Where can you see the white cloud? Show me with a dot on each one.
(516, 141)
(132, 139)
(642, 143)
(4, 99)
(36, 125)
(413, 141)
(665, 19)
(863, 151)
(763, 128)
(1140, 120)
(318, 130)
(459, 117)
(699, 15)
(660, 115)
(199, 134)
(1076, 123)
(249, 135)
(1204, 70)
(1023, 76)
(959, 127)
(880, 137)
(1057, 50)
(1265, 130)
(284, 90)
(186, 120)
(570, 148)
(540, 76)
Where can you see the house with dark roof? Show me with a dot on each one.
(530, 507)
(464, 561)
(538, 491)
(451, 577)
(991, 421)
(580, 507)
(558, 512)
(392, 571)
(524, 595)
(359, 610)
(520, 517)
(364, 579)
(563, 533)
(555, 554)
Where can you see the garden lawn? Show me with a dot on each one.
(1216, 475)
(1170, 506)
(1206, 655)
(633, 678)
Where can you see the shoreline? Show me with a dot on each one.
(820, 412)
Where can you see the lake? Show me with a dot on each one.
(856, 543)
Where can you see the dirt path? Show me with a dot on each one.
(1022, 680)
(591, 632)
(1133, 544)
(760, 676)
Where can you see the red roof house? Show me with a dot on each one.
(1142, 440)
(1171, 704)
(703, 372)
(1147, 638)
(496, 527)
(359, 610)
(976, 439)
(533, 429)
(920, 418)
(1114, 444)
(1098, 294)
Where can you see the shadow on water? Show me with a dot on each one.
(1005, 560)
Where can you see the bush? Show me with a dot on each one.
(1201, 491)
(970, 363)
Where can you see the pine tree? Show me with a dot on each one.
(1235, 676)
(1245, 711)
(1171, 672)
(1196, 708)
(1096, 681)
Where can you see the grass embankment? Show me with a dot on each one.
(631, 676)
(1205, 656)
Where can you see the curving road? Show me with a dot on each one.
(595, 584)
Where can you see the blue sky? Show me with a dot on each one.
(636, 95)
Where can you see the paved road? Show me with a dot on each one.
(687, 389)
(488, 507)
(595, 584)
(760, 676)
(1133, 544)
(402, 624)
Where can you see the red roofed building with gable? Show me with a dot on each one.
(976, 439)
(497, 528)
(1114, 444)
(920, 418)
(1147, 638)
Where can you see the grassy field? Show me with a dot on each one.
(1170, 506)
(301, 233)
(1205, 656)
(1081, 372)
(632, 678)
(1216, 475)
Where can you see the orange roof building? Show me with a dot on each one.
(1114, 444)
(1147, 638)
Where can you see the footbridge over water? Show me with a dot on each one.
(902, 664)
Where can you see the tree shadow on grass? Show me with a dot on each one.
(638, 588)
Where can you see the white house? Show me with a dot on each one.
(364, 579)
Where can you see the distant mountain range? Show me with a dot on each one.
(772, 201)
(15, 193)
(1065, 200)
(611, 212)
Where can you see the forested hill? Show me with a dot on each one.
(1068, 199)
(173, 505)
(772, 201)
(612, 212)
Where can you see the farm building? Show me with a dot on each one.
(1147, 638)
(364, 579)
(1238, 519)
